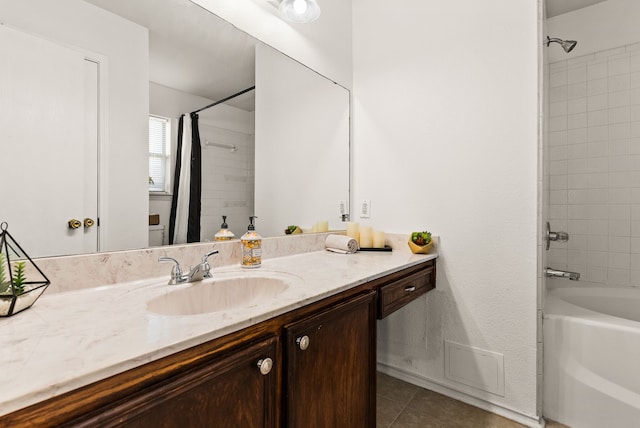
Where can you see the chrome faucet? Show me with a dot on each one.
(573, 276)
(196, 273)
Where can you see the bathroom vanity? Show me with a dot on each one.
(305, 358)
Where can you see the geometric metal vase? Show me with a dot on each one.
(21, 280)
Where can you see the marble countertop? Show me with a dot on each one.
(71, 339)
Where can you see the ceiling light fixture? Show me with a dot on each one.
(300, 11)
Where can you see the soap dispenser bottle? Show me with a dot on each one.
(251, 247)
(224, 234)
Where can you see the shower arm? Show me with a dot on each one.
(553, 40)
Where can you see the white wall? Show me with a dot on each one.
(324, 45)
(445, 139)
(227, 177)
(125, 45)
(603, 26)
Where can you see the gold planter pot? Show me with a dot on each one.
(420, 249)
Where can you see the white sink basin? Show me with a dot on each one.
(221, 293)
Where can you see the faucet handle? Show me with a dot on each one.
(176, 272)
(206, 265)
(206, 256)
(554, 236)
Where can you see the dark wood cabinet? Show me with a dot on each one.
(401, 291)
(330, 367)
(330, 383)
(237, 390)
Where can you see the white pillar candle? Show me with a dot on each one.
(379, 239)
(366, 237)
(322, 226)
(353, 230)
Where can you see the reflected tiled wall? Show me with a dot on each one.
(593, 167)
(227, 180)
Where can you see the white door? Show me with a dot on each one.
(90, 212)
(47, 174)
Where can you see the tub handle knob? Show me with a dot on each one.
(554, 236)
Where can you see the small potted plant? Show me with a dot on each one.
(17, 293)
(293, 230)
(420, 242)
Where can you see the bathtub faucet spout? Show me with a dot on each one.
(573, 276)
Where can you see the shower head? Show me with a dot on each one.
(567, 45)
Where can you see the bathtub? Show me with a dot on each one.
(592, 357)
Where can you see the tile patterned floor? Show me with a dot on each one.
(402, 405)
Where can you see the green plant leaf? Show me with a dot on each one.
(3, 277)
(19, 278)
(421, 238)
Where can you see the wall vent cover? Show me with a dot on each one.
(474, 367)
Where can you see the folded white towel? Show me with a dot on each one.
(341, 244)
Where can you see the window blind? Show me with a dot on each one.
(159, 132)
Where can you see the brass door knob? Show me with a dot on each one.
(74, 223)
(88, 222)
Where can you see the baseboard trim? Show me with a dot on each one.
(432, 385)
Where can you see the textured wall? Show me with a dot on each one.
(445, 126)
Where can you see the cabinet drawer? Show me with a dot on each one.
(399, 293)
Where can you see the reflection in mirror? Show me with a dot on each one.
(300, 146)
(227, 174)
(167, 58)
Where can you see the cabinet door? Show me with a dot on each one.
(231, 391)
(330, 379)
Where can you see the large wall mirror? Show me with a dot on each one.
(95, 70)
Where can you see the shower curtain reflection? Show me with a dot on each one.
(184, 221)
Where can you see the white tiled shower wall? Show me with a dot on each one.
(227, 180)
(593, 168)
